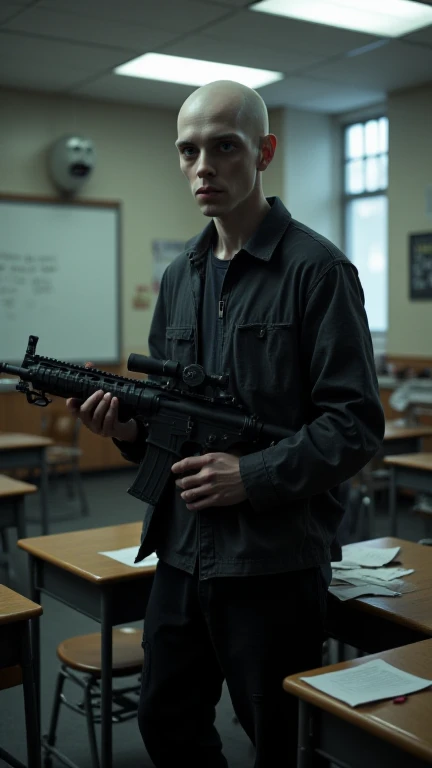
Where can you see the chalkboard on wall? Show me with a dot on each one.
(60, 279)
(420, 265)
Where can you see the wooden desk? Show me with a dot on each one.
(375, 624)
(19, 450)
(375, 735)
(16, 615)
(67, 566)
(12, 513)
(407, 471)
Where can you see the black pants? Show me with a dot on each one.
(252, 632)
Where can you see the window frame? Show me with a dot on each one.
(379, 337)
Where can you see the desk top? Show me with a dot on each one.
(411, 460)
(15, 607)
(10, 487)
(395, 432)
(411, 609)
(14, 441)
(407, 725)
(77, 552)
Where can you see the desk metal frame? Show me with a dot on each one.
(406, 477)
(12, 515)
(110, 603)
(15, 648)
(323, 735)
(30, 458)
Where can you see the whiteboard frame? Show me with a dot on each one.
(114, 205)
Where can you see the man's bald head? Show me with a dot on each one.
(227, 100)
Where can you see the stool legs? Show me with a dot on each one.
(51, 738)
(90, 722)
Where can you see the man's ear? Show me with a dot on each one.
(267, 149)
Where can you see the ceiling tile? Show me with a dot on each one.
(421, 36)
(62, 26)
(34, 51)
(394, 65)
(302, 92)
(258, 29)
(8, 10)
(134, 90)
(179, 16)
(246, 55)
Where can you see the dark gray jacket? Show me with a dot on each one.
(298, 349)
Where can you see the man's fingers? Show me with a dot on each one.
(197, 494)
(73, 404)
(100, 411)
(191, 463)
(110, 418)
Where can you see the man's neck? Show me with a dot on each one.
(235, 230)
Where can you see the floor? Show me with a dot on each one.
(110, 504)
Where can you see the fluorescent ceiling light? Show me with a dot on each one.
(175, 69)
(389, 18)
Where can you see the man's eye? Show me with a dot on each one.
(188, 151)
(226, 146)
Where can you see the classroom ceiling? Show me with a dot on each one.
(72, 46)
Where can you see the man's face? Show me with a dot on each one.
(218, 158)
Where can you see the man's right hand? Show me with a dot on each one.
(99, 413)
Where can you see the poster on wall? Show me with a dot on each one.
(164, 252)
(420, 265)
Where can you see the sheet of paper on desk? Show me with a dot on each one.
(398, 585)
(370, 557)
(371, 681)
(375, 574)
(345, 592)
(128, 555)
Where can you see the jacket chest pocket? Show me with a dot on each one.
(180, 344)
(264, 354)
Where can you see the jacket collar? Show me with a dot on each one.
(263, 242)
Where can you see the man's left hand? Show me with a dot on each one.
(216, 481)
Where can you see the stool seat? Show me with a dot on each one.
(83, 653)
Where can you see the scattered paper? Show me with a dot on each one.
(370, 557)
(344, 592)
(375, 574)
(371, 681)
(396, 584)
(128, 555)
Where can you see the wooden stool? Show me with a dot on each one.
(83, 654)
(16, 666)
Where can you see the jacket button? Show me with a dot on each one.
(262, 333)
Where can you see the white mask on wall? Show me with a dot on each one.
(71, 161)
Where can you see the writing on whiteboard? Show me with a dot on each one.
(25, 276)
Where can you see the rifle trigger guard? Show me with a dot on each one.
(37, 398)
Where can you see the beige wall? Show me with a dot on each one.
(136, 164)
(410, 172)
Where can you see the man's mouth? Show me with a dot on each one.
(207, 192)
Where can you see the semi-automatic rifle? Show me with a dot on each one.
(185, 410)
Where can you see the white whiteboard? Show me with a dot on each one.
(59, 280)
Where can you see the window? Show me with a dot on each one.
(365, 202)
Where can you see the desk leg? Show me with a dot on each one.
(30, 701)
(305, 737)
(44, 492)
(35, 636)
(106, 680)
(20, 518)
(392, 502)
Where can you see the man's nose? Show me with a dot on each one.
(205, 167)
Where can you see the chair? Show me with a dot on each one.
(83, 654)
(63, 457)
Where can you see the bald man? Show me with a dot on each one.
(245, 541)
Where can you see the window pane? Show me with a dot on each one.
(366, 247)
(372, 174)
(383, 172)
(383, 134)
(354, 177)
(354, 141)
(371, 137)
